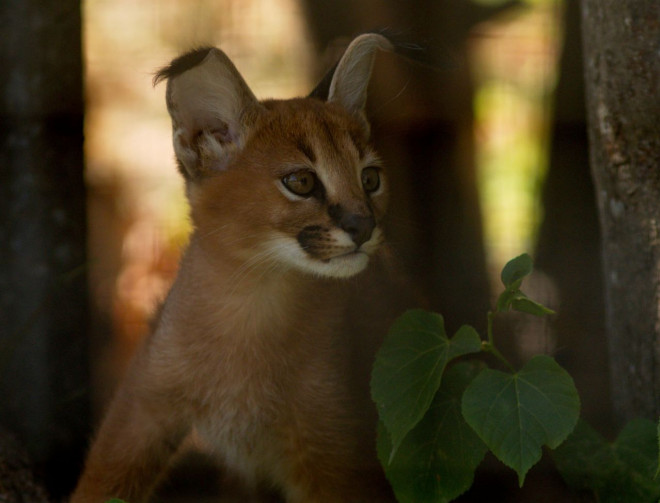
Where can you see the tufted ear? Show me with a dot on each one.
(212, 110)
(349, 83)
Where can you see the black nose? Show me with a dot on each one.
(359, 227)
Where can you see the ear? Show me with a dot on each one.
(349, 83)
(212, 111)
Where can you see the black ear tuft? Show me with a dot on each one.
(212, 110)
(408, 50)
(181, 64)
(412, 52)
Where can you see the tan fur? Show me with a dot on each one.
(262, 349)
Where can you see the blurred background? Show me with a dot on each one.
(485, 146)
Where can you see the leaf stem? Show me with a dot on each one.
(491, 316)
(489, 345)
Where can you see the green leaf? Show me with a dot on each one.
(516, 414)
(524, 304)
(583, 458)
(620, 471)
(636, 447)
(518, 301)
(437, 459)
(409, 367)
(515, 270)
(505, 299)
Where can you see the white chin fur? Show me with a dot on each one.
(289, 252)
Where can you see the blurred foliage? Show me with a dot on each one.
(514, 62)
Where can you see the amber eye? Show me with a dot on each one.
(301, 183)
(370, 179)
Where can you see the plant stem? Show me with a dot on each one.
(490, 347)
(491, 316)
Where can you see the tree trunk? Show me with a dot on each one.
(622, 65)
(43, 299)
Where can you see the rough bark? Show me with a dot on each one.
(622, 65)
(43, 374)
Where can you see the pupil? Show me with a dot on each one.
(370, 179)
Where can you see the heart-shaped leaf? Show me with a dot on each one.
(620, 471)
(584, 458)
(515, 270)
(409, 367)
(516, 414)
(437, 459)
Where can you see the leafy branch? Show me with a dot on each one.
(438, 418)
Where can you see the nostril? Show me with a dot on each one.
(359, 227)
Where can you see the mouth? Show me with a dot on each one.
(346, 255)
(340, 262)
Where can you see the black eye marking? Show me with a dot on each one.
(329, 131)
(301, 183)
(370, 179)
(306, 149)
(358, 141)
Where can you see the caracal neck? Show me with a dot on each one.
(235, 273)
(223, 295)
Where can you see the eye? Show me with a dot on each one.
(370, 179)
(301, 183)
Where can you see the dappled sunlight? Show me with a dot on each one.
(514, 61)
(138, 212)
(138, 215)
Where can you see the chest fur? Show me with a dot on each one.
(249, 367)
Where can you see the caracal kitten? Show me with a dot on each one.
(264, 345)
